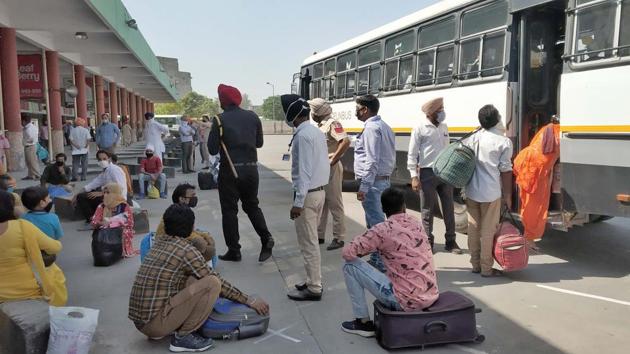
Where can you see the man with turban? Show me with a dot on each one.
(310, 170)
(80, 142)
(236, 134)
(338, 142)
(427, 141)
(154, 133)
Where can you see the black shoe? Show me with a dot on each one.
(27, 178)
(321, 241)
(190, 343)
(363, 329)
(206, 168)
(301, 286)
(334, 244)
(231, 256)
(265, 251)
(73, 180)
(304, 295)
(452, 247)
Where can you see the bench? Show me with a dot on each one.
(24, 327)
(141, 221)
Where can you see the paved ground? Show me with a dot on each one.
(526, 312)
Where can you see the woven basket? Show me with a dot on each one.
(455, 165)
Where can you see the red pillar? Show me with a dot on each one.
(79, 82)
(124, 100)
(100, 98)
(139, 114)
(132, 115)
(54, 97)
(113, 102)
(11, 98)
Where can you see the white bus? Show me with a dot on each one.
(532, 59)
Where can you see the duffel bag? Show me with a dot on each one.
(510, 246)
(107, 246)
(206, 181)
(230, 320)
(456, 164)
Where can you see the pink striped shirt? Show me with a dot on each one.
(406, 253)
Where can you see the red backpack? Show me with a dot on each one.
(510, 247)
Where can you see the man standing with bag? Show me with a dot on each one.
(338, 142)
(374, 161)
(491, 183)
(310, 170)
(427, 141)
(236, 134)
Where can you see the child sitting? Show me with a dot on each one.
(39, 204)
(410, 283)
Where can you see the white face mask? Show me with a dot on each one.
(290, 124)
(441, 116)
(103, 163)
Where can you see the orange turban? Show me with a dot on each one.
(81, 122)
(432, 106)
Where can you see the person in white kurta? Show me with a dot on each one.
(153, 133)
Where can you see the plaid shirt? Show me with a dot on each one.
(163, 274)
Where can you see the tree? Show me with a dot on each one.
(246, 103)
(193, 105)
(272, 108)
(168, 108)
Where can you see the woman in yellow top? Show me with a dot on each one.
(21, 244)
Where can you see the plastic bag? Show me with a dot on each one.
(153, 192)
(107, 246)
(71, 329)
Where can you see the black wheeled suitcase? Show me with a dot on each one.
(451, 319)
(206, 181)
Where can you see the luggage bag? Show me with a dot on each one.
(230, 320)
(206, 181)
(107, 247)
(451, 319)
(510, 246)
(455, 165)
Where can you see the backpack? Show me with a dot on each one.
(230, 320)
(456, 164)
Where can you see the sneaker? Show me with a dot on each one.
(140, 196)
(191, 343)
(163, 196)
(452, 247)
(334, 244)
(363, 329)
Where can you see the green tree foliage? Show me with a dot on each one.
(272, 108)
(168, 108)
(193, 105)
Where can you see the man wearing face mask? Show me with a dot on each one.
(107, 135)
(151, 171)
(91, 196)
(427, 141)
(154, 132)
(56, 177)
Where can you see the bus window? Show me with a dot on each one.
(346, 75)
(399, 72)
(492, 58)
(317, 83)
(595, 31)
(369, 69)
(624, 32)
(444, 65)
(329, 67)
(425, 68)
(469, 59)
(318, 70)
(375, 79)
(485, 18)
(435, 65)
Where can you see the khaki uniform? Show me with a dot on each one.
(334, 132)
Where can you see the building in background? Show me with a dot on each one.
(181, 79)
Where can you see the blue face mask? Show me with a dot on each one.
(441, 117)
(10, 189)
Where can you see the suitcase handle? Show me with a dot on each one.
(434, 326)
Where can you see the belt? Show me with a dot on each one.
(381, 178)
(316, 189)
(240, 164)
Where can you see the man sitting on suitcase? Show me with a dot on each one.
(174, 290)
(410, 283)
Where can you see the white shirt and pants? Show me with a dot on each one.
(310, 170)
(483, 194)
(30, 137)
(153, 132)
(80, 137)
(426, 143)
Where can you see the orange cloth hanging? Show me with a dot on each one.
(533, 167)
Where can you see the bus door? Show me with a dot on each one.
(540, 47)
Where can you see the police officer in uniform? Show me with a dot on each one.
(310, 169)
(338, 142)
(238, 173)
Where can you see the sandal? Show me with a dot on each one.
(493, 273)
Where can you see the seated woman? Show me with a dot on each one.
(410, 283)
(7, 184)
(115, 212)
(21, 246)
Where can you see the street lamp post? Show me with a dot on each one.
(273, 100)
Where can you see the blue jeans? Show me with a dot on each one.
(161, 182)
(374, 214)
(361, 276)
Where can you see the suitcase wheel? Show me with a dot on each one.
(479, 339)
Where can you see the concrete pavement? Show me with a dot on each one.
(525, 312)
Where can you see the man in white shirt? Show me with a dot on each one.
(80, 140)
(310, 169)
(186, 135)
(30, 138)
(491, 182)
(154, 133)
(91, 197)
(427, 141)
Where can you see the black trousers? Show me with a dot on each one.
(244, 189)
(432, 187)
(88, 206)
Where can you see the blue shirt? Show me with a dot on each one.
(107, 135)
(186, 133)
(310, 167)
(374, 152)
(47, 222)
